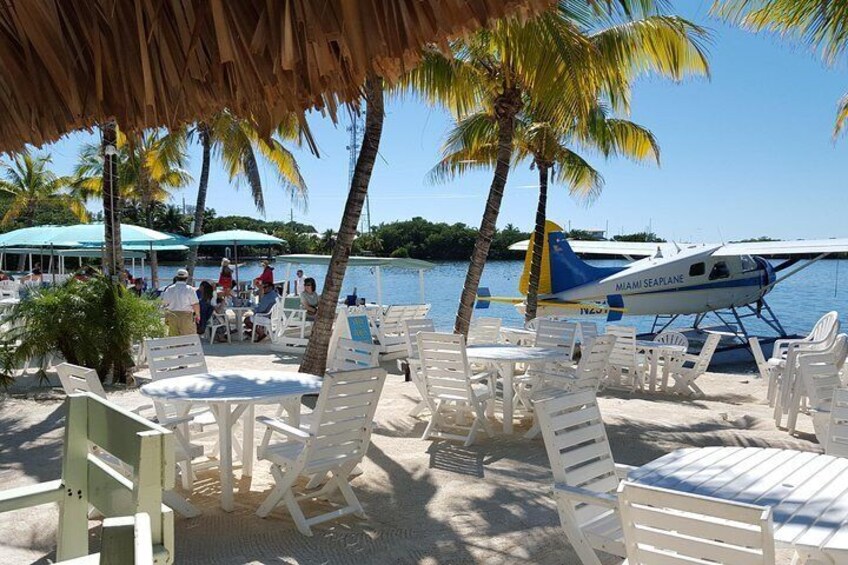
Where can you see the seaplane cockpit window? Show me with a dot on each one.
(719, 271)
(697, 270)
(748, 263)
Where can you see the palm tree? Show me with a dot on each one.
(238, 145)
(30, 183)
(315, 357)
(150, 165)
(559, 64)
(822, 25)
(547, 146)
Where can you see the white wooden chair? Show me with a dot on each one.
(412, 328)
(588, 332)
(296, 327)
(585, 475)
(626, 369)
(76, 379)
(559, 378)
(484, 331)
(140, 445)
(556, 333)
(687, 368)
(455, 394)
(349, 355)
(334, 443)
(271, 321)
(389, 331)
(672, 338)
(669, 527)
(836, 443)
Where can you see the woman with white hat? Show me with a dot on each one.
(225, 279)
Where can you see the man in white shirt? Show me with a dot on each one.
(182, 308)
(298, 282)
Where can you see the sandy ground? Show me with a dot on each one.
(427, 502)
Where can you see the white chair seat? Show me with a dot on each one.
(605, 533)
(194, 451)
(480, 391)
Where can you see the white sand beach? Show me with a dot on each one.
(427, 502)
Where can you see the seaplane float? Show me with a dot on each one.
(723, 286)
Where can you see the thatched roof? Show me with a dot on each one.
(67, 64)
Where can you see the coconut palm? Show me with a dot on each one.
(29, 182)
(315, 357)
(822, 25)
(548, 148)
(559, 65)
(239, 147)
(150, 165)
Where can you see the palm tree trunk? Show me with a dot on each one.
(507, 105)
(315, 358)
(154, 258)
(113, 257)
(538, 242)
(200, 206)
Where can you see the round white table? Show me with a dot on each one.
(654, 351)
(504, 358)
(807, 492)
(229, 395)
(239, 312)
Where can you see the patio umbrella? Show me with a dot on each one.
(234, 238)
(93, 234)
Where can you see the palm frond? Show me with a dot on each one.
(584, 181)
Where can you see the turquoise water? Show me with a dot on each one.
(798, 302)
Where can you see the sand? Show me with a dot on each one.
(427, 502)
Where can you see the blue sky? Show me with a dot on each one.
(745, 154)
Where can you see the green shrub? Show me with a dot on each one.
(91, 323)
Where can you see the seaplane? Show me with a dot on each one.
(667, 281)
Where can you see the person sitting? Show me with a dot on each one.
(309, 299)
(266, 304)
(138, 287)
(207, 301)
(35, 275)
(4, 276)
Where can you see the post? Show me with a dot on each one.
(287, 285)
(379, 287)
(421, 284)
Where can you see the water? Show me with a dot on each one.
(798, 302)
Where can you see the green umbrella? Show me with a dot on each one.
(234, 238)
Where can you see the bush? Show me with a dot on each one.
(92, 323)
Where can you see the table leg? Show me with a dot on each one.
(652, 379)
(490, 409)
(248, 438)
(226, 420)
(240, 325)
(508, 372)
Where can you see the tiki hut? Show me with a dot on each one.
(69, 64)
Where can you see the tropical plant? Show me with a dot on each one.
(822, 25)
(558, 66)
(149, 166)
(31, 185)
(91, 323)
(548, 147)
(239, 147)
(315, 357)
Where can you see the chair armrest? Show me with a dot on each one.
(621, 471)
(586, 496)
(485, 375)
(31, 495)
(280, 426)
(143, 408)
(176, 421)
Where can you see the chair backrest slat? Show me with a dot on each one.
(826, 325)
(412, 328)
(556, 333)
(171, 357)
(79, 379)
(706, 354)
(484, 331)
(672, 338)
(624, 352)
(663, 526)
(349, 355)
(593, 364)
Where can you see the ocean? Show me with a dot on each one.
(798, 302)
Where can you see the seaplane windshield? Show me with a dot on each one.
(748, 263)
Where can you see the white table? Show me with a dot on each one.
(240, 311)
(229, 395)
(504, 358)
(807, 492)
(518, 336)
(654, 350)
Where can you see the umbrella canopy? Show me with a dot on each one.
(93, 234)
(234, 237)
(37, 236)
(70, 64)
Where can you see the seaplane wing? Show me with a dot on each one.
(784, 248)
(612, 248)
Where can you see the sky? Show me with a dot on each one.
(746, 153)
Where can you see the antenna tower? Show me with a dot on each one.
(357, 132)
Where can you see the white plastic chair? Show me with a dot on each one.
(818, 377)
(217, 321)
(272, 322)
(454, 393)
(672, 338)
(670, 527)
(822, 334)
(484, 331)
(389, 330)
(558, 378)
(334, 443)
(836, 443)
(687, 368)
(412, 328)
(556, 333)
(626, 368)
(585, 475)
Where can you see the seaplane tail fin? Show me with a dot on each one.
(567, 269)
(545, 275)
